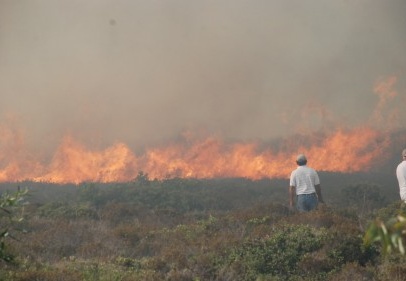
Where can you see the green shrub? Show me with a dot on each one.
(10, 216)
(351, 272)
(390, 234)
(65, 210)
(392, 268)
(348, 248)
(47, 275)
(278, 254)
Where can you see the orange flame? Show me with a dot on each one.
(74, 163)
(341, 151)
(344, 150)
(382, 116)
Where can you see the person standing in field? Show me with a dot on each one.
(305, 186)
(401, 175)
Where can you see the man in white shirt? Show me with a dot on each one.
(305, 184)
(401, 175)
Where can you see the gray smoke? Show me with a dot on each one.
(142, 72)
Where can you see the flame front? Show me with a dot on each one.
(74, 163)
(339, 151)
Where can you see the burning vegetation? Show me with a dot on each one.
(340, 149)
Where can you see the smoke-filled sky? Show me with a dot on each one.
(142, 72)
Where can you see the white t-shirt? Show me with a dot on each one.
(304, 179)
(401, 175)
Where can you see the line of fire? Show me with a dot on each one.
(344, 150)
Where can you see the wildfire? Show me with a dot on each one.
(339, 151)
(74, 163)
(384, 89)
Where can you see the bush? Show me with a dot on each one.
(64, 210)
(393, 268)
(278, 254)
(10, 216)
(353, 271)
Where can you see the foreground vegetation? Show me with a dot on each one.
(178, 229)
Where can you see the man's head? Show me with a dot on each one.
(301, 160)
(404, 154)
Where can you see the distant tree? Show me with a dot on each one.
(88, 192)
(142, 179)
(364, 195)
(364, 198)
(10, 215)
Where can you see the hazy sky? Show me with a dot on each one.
(141, 72)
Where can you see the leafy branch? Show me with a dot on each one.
(11, 213)
(390, 234)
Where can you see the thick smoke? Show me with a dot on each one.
(141, 72)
